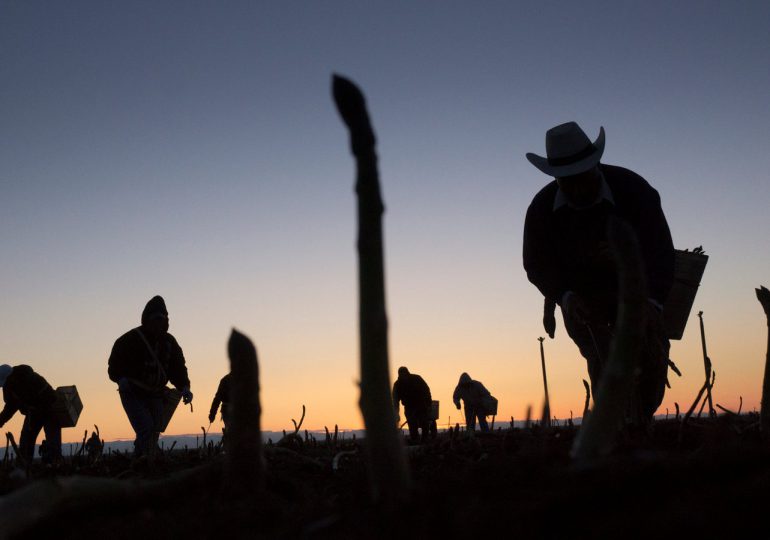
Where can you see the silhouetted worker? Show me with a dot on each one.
(29, 393)
(143, 360)
(222, 396)
(567, 255)
(475, 398)
(413, 392)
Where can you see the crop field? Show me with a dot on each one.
(706, 478)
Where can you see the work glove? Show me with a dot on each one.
(187, 396)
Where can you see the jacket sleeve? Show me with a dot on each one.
(116, 365)
(396, 397)
(456, 396)
(215, 405)
(8, 411)
(425, 391)
(218, 397)
(177, 368)
(657, 246)
(539, 254)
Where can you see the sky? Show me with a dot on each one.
(191, 149)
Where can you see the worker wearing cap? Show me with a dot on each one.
(567, 254)
(29, 393)
(142, 361)
(412, 390)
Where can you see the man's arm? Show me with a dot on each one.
(116, 363)
(539, 256)
(657, 247)
(456, 396)
(177, 367)
(396, 397)
(8, 411)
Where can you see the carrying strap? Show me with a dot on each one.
(161, 373)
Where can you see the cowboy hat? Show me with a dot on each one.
(569, 151)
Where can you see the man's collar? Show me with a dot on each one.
(605, 194)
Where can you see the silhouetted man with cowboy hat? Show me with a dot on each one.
(567, 256)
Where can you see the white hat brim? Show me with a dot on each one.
(576, 167)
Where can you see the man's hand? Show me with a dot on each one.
(212, 417)
(549, 319)
(187, 396)
(575, 308)
(124, 384)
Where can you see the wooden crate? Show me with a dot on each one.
(688, 272)
(434, 410)
(67, 406)
(490, 405)
(171, 399)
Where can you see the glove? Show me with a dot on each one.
(187, 396)
(212, 417)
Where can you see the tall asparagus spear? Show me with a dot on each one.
(244, 440)
(389, 475)
(597, 434)
(763, 295)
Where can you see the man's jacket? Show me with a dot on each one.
(26, 391)
(473, 393)
(148, 364)
(413, 392)
(566, 249)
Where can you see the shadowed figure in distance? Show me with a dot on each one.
(222, 397)
(29, 393)
(412, 390)
(475, 398)
(567, 256)
(142, 361)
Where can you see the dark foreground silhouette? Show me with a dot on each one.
(516, 481)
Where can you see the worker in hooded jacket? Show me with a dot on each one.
(475, 398)
(142, 361)
(29, 393)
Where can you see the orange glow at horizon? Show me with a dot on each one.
(511, 372)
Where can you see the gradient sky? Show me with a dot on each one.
(191, 149)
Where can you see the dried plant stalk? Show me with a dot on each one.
(547, 405)
(389, 475)
(706, 366)
(598, 433)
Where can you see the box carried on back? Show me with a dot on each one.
(67, 406)
(688, 271)
(171, 398)
(490, 406)
(434, 410)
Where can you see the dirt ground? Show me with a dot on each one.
(520, 483)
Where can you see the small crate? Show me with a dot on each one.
(688, 271)
(67, 407)
(490, 406)
(434, 410)
(171, 399)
